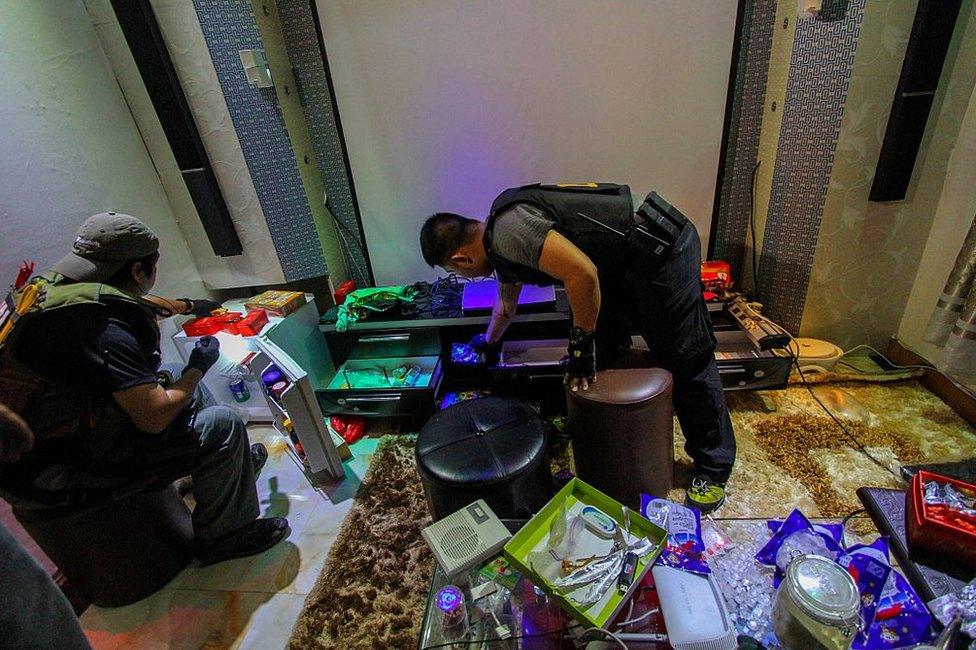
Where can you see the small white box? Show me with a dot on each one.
(466, 538)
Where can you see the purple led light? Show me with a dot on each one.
(449, 598)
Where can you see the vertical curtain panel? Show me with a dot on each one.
(953, 322)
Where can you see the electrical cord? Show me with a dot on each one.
(451, 644)
(630, 611)
(438, 299)
(346, 230)
(610, 635)
(795, 356)
(846, 519)
(896, 367)
(752, 226)
(850, 436)
(631, 621)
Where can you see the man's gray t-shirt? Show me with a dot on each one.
(519, 233)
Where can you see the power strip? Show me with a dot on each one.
(763, 334)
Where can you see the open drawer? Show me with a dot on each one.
(742, 367)
(394, 386)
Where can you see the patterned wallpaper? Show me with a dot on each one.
(835, 265)
(743, 137)
(820, 70)
(868, 254)
(228, 27)
(297, 24)
(184, 38)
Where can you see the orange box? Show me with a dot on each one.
(276, 302)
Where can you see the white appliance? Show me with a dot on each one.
(466, 538)
(296, 346)
(233, 352)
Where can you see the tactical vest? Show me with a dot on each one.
(608, 203)
(75, 430)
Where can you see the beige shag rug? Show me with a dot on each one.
(373, 588)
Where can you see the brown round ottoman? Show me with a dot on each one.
(623, 433)
(119, 551)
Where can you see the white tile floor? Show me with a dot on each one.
(250, 602)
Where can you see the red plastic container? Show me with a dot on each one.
(344, 290)
(932, 530)
(210, 325)
(716, 275)
(253, 323)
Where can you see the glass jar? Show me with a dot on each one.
(817, 605)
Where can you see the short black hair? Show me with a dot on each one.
(443, 234)
(122, 278)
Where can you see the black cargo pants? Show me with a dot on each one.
(670, 313)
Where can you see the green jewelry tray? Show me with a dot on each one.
(518, 548)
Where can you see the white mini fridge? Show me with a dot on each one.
(296, 346)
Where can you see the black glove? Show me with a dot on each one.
(580, 363)
(479, 344)
(205, 353)
(200, 306)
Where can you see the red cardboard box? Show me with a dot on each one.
(253, 323)
(937, 530)
(717, 278)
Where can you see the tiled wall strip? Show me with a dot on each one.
(228, 27)
(743, 146)
(298, 26)
(820, 74)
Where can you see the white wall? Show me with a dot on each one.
(69, 147)
(446, 102)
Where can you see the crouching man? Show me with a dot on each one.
(81, 365)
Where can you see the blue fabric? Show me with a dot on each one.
(33, 611)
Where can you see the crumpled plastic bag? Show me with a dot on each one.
(961, 604)
(360, 303)
(795, 537)
(900, 619)
(685, 547)
(946, 494)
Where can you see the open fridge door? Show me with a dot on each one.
(292, 399)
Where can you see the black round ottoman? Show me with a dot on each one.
(490, 448)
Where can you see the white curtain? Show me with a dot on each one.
(953, 323)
